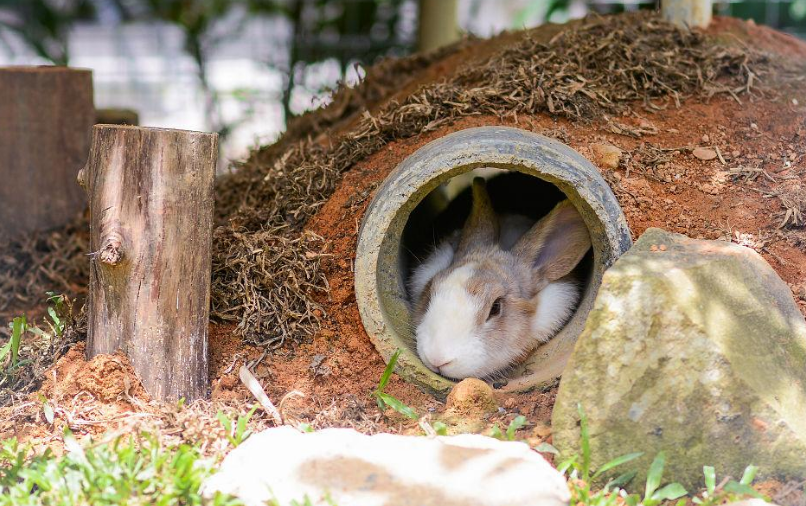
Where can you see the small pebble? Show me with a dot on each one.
(753, 126)
(662, 247)
(704, 153)
(654, 247)
(794, 101)
(509, 403)
(706, 139)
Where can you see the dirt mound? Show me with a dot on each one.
(267, 267)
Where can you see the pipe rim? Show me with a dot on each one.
(380, 290)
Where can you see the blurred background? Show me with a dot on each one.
(243, 67)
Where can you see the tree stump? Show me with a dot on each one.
(151, 223)
(46, 114)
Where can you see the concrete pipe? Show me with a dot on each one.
(421, 185)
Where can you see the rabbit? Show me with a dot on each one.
(494, 290)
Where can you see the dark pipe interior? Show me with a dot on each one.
(511, 192)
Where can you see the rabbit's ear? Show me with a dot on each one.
(556, 243)
(481, 227)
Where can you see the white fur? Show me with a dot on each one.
(555, 305)
(452, 313)
(439, 260)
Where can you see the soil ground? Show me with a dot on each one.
(749, 194)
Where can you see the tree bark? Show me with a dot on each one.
(151, 222)
(688, 13)
(46, 114)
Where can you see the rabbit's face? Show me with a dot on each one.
(477, 317)
(484, 309)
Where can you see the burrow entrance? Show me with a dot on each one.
(426, 197)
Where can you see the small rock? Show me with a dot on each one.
(509, 403)
(471, 395)
(753, 126)
(342, 466)
(606, 155)
(706, 139)
(704, 153)
(736, 153)
(795, 101)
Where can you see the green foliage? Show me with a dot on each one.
(385, 400)
(10, 352)
(581, 476)
(126, 471)
(729, 491)
(240, 433)
(513, 427)
(44, 25)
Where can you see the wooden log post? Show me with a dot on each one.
(688, 13)
(46, 114)
(151, 222)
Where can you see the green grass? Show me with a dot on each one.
(385, 400)
(126, 471)
(581, 477)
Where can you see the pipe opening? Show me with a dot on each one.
(519, 200)
(427, 197)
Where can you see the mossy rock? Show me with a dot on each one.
(692, 347)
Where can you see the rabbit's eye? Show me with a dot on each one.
(495, 310)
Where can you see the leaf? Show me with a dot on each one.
(547, 448)
(514, 425)
(742, 488)
(440, 428)
(710, 479)
(4, 350)
(225, 422)
(567, 464)
(17, 329)
(670, 492)
(496, 432)
(748, 475)
(622, 479)
(49, 416)
(615, 463)
(654, 475)
(398, 406)
(387, 373)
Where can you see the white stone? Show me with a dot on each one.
(352, 469)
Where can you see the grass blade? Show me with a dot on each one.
(670, 492)
(547, 448)
(710, 479)
(655, 474)
(387, 373)
(621, 480)
(516, 424)
(398, 406)
(616, 462)
(17, 329)
(741, 488)
(749, 474)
